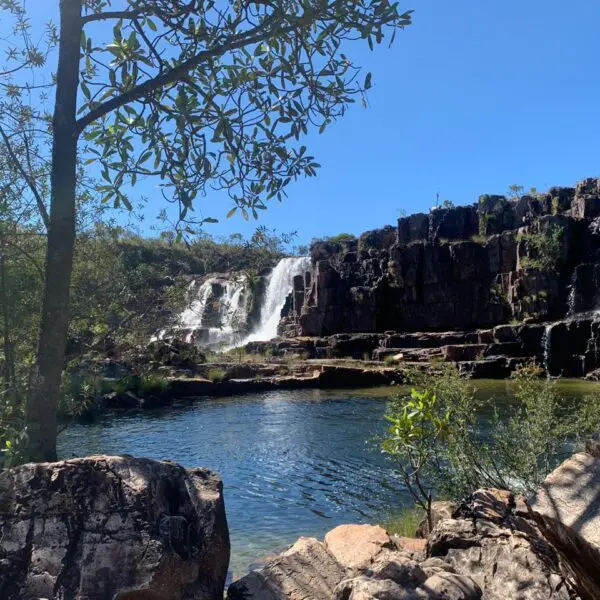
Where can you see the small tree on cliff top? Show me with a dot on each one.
(195, 93)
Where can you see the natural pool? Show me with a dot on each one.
(293, 462)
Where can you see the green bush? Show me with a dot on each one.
(545, 248)
(342, 237)
(216, 375)
(142, 385)
(439, 442)
(153, 383)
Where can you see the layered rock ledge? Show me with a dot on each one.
(112, 528)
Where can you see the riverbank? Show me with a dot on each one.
(166, 530)
(253, 373)
(491, 546)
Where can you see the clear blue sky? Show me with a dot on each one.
(474, 96)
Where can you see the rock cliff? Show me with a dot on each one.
(460, 268)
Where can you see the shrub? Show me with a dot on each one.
(390, 361)
(545, 248)
(438, 440)
(216, 375)
(144, 384)
(417, 426)
(153, 383)
(342, 237)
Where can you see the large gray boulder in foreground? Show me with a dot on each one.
(112, 528)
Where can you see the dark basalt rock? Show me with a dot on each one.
(436, 272)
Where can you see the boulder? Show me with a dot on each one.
(398, 567)
(504, 554)
(174, 353)
(432, 566)
(440, 509)
(112, 527)
(365, 588)
(306, 570)
(567, 511)
(356, 546)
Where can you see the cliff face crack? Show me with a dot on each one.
(68, 578)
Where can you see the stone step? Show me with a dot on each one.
(458, 353)
(437, 339)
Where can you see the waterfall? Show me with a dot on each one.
(279, 285)
(546, 347)
(217, 312)
(219, 309)
(572, 298)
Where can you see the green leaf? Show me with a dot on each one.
(231, 212)
(368, 81)
(86, 90)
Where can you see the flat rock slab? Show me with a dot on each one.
(356, 546)
(571, 496)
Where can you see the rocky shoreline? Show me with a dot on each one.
(491, 546)
(109, 527)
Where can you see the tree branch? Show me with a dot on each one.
(254, 35)
(40, 203)
(27, 255)
(115, 14)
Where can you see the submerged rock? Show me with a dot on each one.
(111, 527)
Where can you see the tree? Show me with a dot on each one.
(197, 93)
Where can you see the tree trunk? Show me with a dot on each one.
(9, 357)
(44, 385)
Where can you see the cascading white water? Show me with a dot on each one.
(279, 285)
(546, 347)
(572, 297)
(219, 309)
(217, 318)
(191, 317)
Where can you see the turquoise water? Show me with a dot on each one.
(293, 462)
